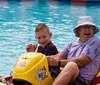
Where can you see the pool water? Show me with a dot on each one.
(18, 20)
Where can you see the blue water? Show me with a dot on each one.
(18, 20)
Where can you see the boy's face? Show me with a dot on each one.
(43, 37)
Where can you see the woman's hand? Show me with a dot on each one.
(52, 61)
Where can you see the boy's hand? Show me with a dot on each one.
(31, 48)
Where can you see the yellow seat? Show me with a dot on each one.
(96, 80)
(98, 74)
(32, 67)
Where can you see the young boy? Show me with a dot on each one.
(43, 36)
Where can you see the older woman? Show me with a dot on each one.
(81, 57)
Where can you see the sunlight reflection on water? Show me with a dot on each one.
(19, 19)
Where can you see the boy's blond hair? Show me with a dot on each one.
(41, 26)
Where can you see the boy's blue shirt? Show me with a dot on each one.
(49, 49)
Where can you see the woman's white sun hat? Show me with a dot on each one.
(85, 20)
